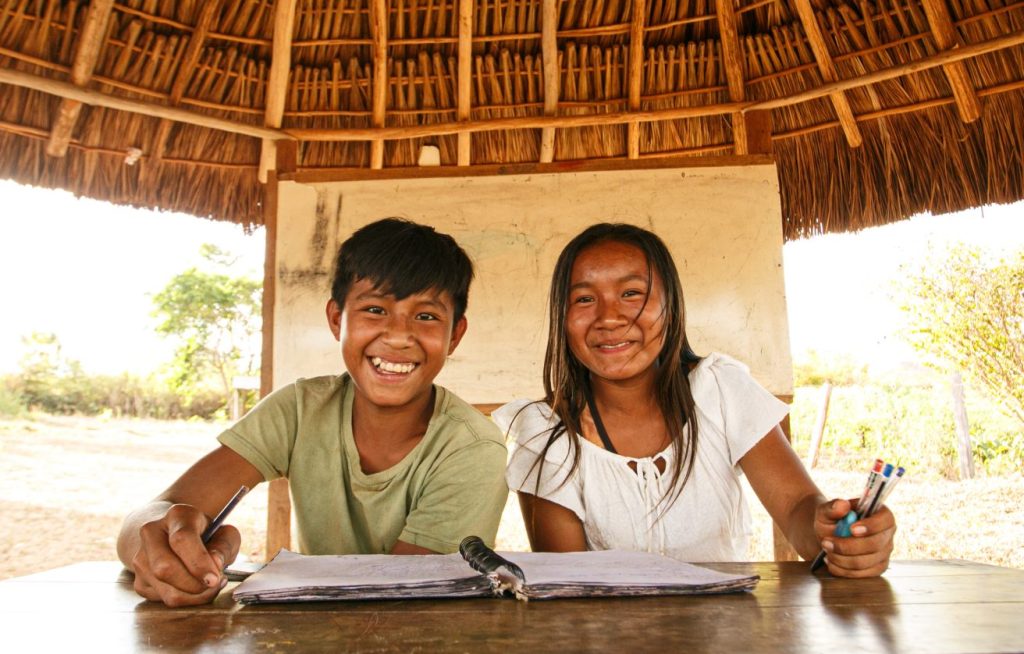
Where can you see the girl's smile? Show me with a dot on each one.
(615, 319)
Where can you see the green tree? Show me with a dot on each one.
(216, 319)
(965, 312)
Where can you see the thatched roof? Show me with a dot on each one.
(877, 109)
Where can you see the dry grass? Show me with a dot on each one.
(65, 484)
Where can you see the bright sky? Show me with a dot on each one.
(839, 286)
(87, 271)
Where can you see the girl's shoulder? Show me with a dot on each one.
(714, 367)
(529, 424)
(523, 416)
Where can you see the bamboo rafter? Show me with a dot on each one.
(277, 80)
(959, 80)
(552, 84)
(185, 72)
(465, 77)
(90, 43)
(708, 82)
(827, 68)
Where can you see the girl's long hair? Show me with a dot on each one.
(565, 378)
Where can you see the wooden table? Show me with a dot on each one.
(918, 606)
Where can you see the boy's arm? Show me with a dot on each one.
(161, 541)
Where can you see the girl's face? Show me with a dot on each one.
(616, 316)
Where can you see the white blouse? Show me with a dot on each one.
(624, 509)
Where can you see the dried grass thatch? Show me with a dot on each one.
(866, 154)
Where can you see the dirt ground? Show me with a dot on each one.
(66, 483)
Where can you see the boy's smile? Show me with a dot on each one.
(393, 349)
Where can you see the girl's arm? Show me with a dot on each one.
(807, 519)
(551, 527)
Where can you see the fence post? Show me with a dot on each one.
(963, 433)
(819, 426)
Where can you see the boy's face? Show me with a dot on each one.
(393, 349)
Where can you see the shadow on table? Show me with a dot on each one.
(872, 604)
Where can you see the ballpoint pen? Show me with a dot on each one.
(215, 524)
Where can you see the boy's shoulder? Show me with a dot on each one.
(463, 422)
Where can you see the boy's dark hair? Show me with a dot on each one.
(400, 258)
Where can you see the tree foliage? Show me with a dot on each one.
(965, 312)
(216, 319)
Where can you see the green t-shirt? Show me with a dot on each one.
(451, 485)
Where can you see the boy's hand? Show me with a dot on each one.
(174, 567)
(865, 553)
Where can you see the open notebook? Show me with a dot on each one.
(479, 572)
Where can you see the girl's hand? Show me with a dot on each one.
(865, 553)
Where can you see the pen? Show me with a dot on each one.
(881, 481)
(215, 524)
(891, 485)
(874, 478)
(875, 499)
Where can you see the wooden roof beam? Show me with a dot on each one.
(732, 57)
(552, 74)
(184, 73)
(96, 98)
(946, 38)
(827, 68)
(465, 81)
(277, 80)
(636, 73)
(87, 53)
(378, 107)
(517, 122)
(883, 74)
(674, 113)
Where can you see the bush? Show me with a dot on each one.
(965, 311)
(124, 395)
(908, 425)
(11, 403)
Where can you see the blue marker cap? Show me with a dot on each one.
(843, 526)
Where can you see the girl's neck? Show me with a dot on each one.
(634, 396)
(631, 417)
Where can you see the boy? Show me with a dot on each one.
(378, 459)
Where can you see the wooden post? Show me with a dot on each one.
(963, 433)
(819, 426)
(279, 508)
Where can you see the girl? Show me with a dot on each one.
(639, 443)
